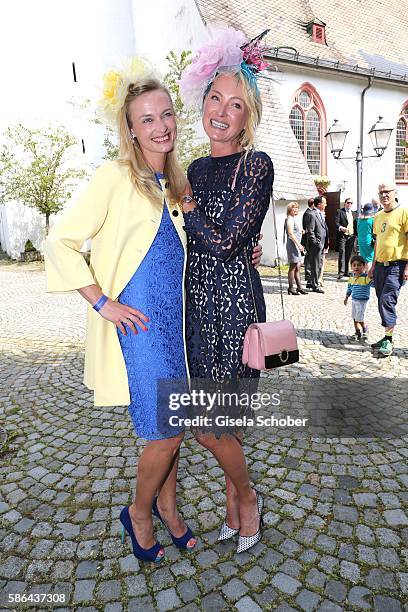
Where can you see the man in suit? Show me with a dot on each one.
(318, 240)
(310, 210)
(345, 224)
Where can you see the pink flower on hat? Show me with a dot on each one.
(223, 51)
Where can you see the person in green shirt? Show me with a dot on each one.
(390, 264)
(365, 237)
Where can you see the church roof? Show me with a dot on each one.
(369, 33)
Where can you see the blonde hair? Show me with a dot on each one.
(131, 154)
(290, 207)
(253, 102)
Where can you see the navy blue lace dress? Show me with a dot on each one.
(224, 224)
(156, 290)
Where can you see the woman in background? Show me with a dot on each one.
(294, 249)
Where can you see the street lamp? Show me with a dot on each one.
(336, 137)
(380, 135)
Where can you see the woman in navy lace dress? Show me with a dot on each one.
(222, 231)
(231, 192)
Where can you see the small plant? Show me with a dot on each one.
(29, 247)
(321, 180)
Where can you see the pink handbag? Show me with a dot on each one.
(272, 344)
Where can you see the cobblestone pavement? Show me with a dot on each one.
(336, 533)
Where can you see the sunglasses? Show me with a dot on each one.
(382, 193)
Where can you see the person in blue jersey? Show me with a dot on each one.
(358, 288)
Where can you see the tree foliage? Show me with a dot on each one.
(34, 168)
(110, 142)
(188, 146)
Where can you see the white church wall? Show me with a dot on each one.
(25, 224)
(40, 49)
(94, 35)
(341, 97)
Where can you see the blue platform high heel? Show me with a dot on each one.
(143, 554)
(180, 542)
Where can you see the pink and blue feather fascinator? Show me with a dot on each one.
(227, 50)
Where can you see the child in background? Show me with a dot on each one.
(359, 288)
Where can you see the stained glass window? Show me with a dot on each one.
(401, 148)
(297, 123)
(306, 122)
(304, 100)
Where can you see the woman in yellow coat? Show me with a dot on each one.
(135, 281)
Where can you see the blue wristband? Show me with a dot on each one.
(101, 302)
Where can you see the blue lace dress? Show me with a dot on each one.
(156, 290)
(224, 224)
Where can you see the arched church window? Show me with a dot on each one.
(308, 122)
(401, 148)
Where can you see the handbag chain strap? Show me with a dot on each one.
(276, 244)
(250, 284)
(277, 252)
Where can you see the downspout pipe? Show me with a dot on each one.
(360, 150)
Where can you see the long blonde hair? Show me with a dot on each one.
(253, 102)
(131, 154)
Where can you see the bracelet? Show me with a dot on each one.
(101, 302)
(186, 199)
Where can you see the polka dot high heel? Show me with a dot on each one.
(246, 542)
(226, 533)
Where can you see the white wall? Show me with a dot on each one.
(341, 97)
(163, 25)
(41, 39)
(21, 224)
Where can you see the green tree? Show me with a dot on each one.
(187, 146)
(110, 142)
(34, 168)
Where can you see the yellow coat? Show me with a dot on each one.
(122, 224)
